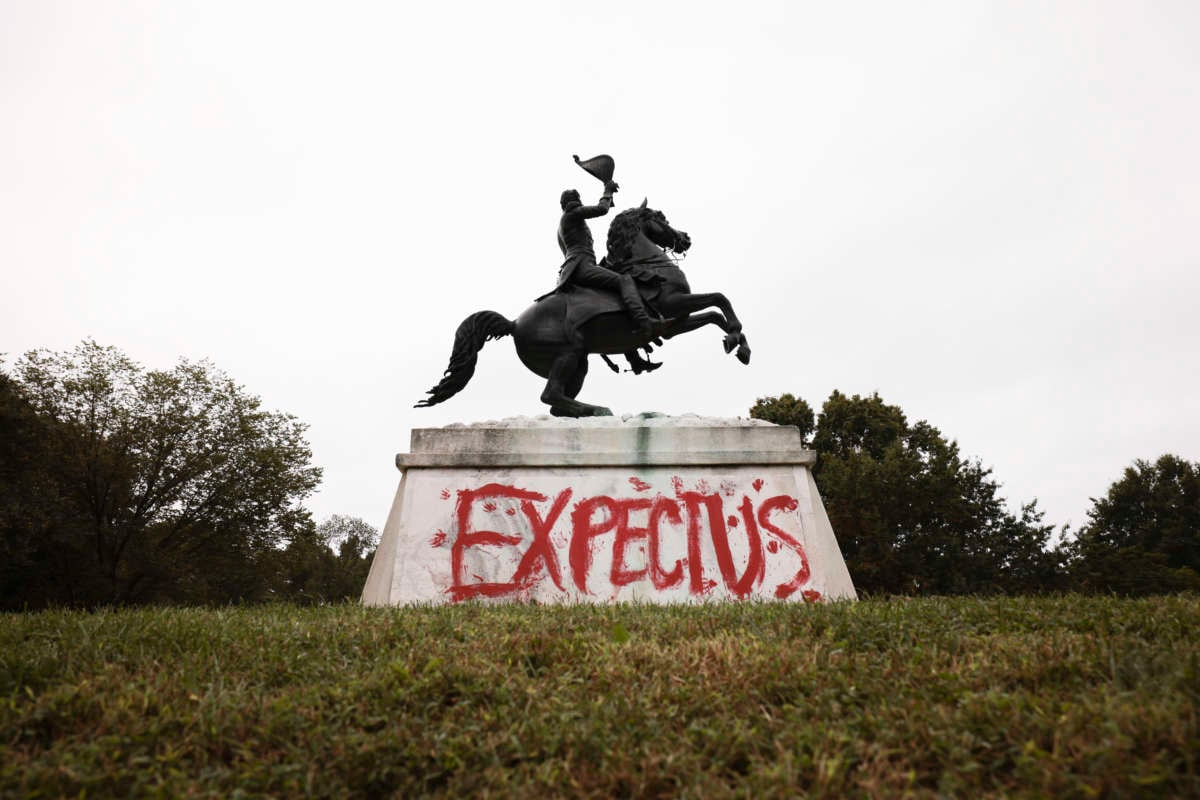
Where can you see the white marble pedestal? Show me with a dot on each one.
(658, 509)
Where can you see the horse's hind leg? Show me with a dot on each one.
(575, 384)
(566, 379)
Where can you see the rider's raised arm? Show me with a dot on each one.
(598, 210)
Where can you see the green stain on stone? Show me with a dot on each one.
(643, 443)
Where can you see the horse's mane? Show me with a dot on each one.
(623, 232)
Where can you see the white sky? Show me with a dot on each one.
(988, 213)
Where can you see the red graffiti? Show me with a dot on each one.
(445, 494)
(627, 525)
(540, 553)
(785, 503)
(438, 539)
(638, 484)
(626, 535)
(758, 484)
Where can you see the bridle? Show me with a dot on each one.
(671, 251)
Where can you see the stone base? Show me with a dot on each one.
(649, 509)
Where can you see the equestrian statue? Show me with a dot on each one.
(632, 299)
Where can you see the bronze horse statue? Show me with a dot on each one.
(556, 334)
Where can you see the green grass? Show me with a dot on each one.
(1068, 696)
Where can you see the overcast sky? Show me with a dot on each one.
(987, 213)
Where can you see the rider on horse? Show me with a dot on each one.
(580, 267)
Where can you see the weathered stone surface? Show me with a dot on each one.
(656, 509)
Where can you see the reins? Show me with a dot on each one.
(667, 257)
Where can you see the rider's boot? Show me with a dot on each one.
(634, 305)
(638, 365)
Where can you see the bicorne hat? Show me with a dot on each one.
(601, 167)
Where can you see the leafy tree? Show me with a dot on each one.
(353, 538)
(328, 563)
(910, 513)
(1143, 536)
(32, 509)
(785, 410)
(176, 484)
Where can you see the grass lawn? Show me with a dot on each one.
(1065, 696)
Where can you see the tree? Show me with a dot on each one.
(1143, 536)
(911, 514)
(353, 538)
(32, 508)
(328, 564)
(176, 482)
(785, 410)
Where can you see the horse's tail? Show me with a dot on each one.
(469, 339)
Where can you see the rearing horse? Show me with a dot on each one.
(556, 334)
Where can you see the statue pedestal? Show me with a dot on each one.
(658, 509)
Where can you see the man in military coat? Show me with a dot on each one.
(580, 267)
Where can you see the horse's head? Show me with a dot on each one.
(659, 231)
(636, 232)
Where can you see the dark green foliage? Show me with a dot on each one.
(328, 563)
(1143, 537)
(785, 410)
(152, 485)
(33, 509)
(948, 697)
(911, 514)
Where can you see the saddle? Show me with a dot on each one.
(584, 303)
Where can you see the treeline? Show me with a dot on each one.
(122, 485)
(914, 516)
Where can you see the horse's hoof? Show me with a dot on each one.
(732, 340)
(601, 411)
(743, 354)
(644, 366)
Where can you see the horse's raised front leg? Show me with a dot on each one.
(566, 379)
(682, 304)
